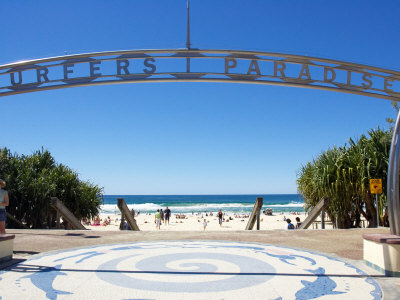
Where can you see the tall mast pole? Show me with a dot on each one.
(188, 37)
(188, 26)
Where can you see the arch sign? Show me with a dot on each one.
(202, 65)
(198, 65)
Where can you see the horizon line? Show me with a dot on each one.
(245, 194)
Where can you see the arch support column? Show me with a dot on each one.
(393, 185)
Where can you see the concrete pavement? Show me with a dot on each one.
(306, 264)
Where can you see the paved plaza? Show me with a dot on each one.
(186, 270)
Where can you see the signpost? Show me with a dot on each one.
(375, 186)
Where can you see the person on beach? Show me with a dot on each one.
(220, 216)
(204, 224)
(298, 223)
(157, 219)
(3, 203)
(290, 226)
(167, 215)
(96, 221)
(162, 215)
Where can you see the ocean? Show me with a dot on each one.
(204, 203)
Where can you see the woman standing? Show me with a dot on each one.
(220, 216)
(3, 204)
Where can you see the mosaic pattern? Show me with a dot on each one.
(186, 270)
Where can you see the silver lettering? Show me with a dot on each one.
(349, 78)
(305, 72)
(93, 68)
(331, 71)
(13, 79)
(279, 67)
(388, 84)
(42, 73)
(67, 70)
(149, 65)
(366, 77)
(230, 63)
(253, 67)
(122, 64)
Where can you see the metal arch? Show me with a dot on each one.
(243, 53)
(234, 66)
(393, 185)
(257, 68)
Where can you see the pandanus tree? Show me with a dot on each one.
(342, 174)
(374, 152)
(33, 179)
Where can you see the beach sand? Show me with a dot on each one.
(195, 222)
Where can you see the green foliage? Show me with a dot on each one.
(33, 179)
(342, 174)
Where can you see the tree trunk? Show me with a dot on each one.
(371, 211)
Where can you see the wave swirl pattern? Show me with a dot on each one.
(192, 266)
(186, 270)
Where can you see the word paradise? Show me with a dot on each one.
(290, 71)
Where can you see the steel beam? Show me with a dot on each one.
(393, 186)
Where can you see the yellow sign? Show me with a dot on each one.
(375, 185)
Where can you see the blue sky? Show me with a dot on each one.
(194, 138)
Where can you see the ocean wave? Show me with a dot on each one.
(112, 208)
(201, 207)
(285, 205)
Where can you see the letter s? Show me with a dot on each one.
(366, 77)
(149, 65)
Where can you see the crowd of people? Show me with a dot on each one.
(163, 217)
(97, 221)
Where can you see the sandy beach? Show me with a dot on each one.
(194, 222)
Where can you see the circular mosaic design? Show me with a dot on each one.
(186, 270)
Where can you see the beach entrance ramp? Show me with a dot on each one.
(316, 211)
(66, 213)
(125, 212)
(255, 214)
